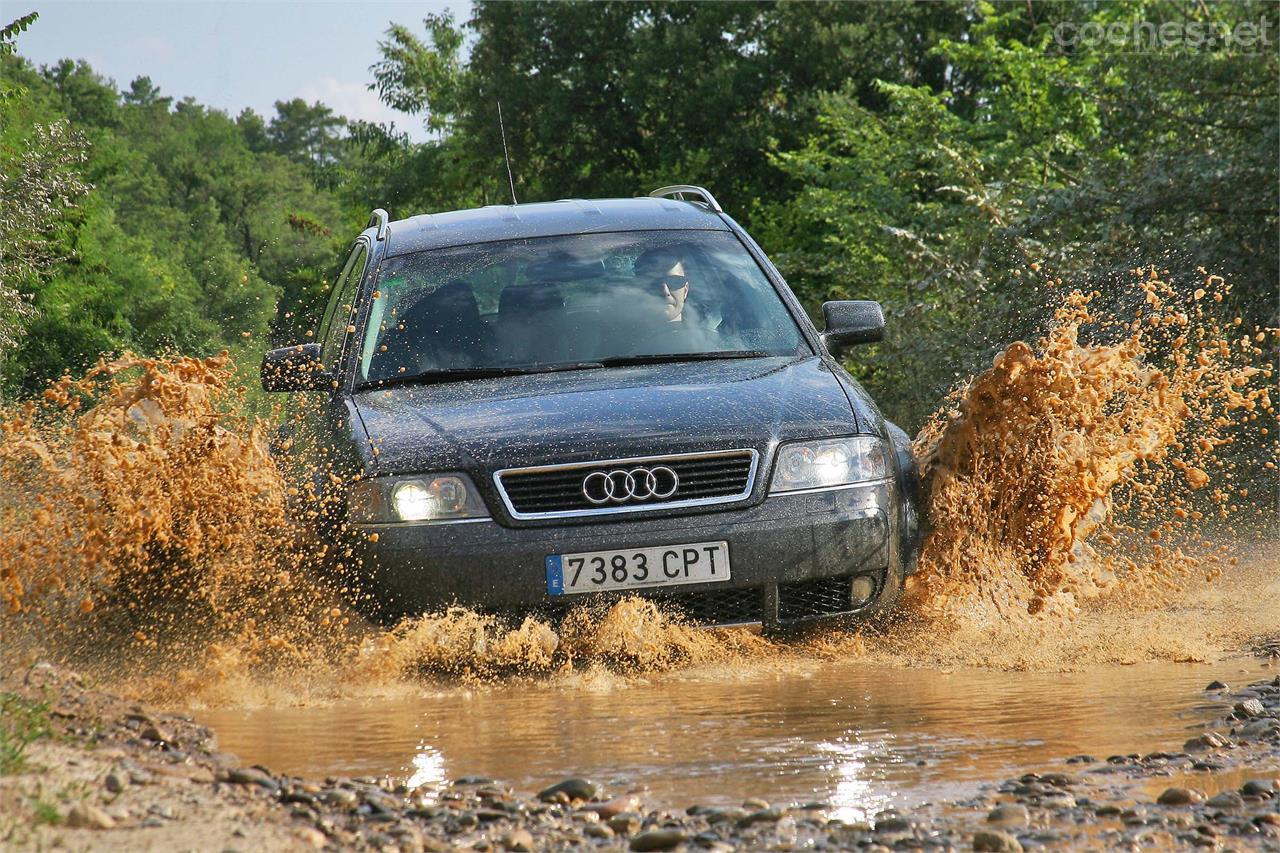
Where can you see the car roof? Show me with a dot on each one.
(546, 219)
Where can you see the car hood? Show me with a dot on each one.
(578, 416)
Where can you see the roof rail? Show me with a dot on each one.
(379, 219)
(681, 189)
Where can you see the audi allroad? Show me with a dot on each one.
(521, 407)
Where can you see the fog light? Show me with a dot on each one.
(864, 588)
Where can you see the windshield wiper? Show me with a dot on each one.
(672, 357)
(459, 374)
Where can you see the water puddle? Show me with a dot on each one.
(861, 738)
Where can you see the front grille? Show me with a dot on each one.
(705, 608)
(820, 597)
(553, 490)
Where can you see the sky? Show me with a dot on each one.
(232, 54)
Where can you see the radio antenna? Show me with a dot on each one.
(505, 156)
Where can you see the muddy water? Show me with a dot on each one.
(859, 737)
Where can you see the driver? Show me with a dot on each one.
(664, 270)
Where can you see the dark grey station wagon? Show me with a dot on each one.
(519, 408)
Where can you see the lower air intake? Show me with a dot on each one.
(807, 599)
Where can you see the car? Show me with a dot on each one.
(518, 408)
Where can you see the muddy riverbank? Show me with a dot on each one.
(101, 772)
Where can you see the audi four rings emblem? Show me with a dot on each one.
(622, 485)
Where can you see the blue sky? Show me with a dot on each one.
(232, 54)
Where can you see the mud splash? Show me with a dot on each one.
(1072, 491)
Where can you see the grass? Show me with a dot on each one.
(22, 722)
(46, 813)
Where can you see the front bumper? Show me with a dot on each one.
(790, 556)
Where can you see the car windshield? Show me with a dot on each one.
(577, 301)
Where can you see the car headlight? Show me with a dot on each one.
(430, 497)
(830, 462)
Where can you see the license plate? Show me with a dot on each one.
(637, 568)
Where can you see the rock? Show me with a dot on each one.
(1226, 800)
(616, 806)
(1258, 788)
(1179, 797)
(1249, 708)
(893, 823)
(89, 816)
(1081, 759)
(1060, 780)
(732, 814)
(597, 830)
(626, 823)
(311, 837)
(473, 780)
(1012, 815)
(156, 734)
(115, 782)
(520, 840)
(762, 816)
(1260, 728)
(996, 842)
(755, 804)
(658, 839)
(1208, 740)
(252, 776)
(340, 798)
(574, 789)
(1216, 685)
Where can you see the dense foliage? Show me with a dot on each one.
(945, 158)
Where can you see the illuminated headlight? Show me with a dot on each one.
(831, 462)
(440, 497)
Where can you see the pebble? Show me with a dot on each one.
(575, 789)
(473, 780)
(1249, 708)
(89, 816)
(597, 830)
(627, 823)
(616, 806)
(893, 823)
(1259, 728)
(1179, 797)
(762, 816)
(996, 842)
(252, 776)
(1216, 685)
(1208, 740)
(115, 783)
(156, 734)
(755, 804)
(658, 839)
(1226, 800)
(340, 797)
(1012, 814)
(1258, 788)
(520, 840)
(731, 814)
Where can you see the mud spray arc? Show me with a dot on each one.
(1098, 473)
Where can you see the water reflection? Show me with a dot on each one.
(854, 797)
(860, 738)
(427, 768)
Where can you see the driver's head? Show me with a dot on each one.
(664, 271)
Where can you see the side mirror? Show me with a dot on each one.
(295, 368)
(849, 322)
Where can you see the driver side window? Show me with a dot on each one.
(339, 313)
